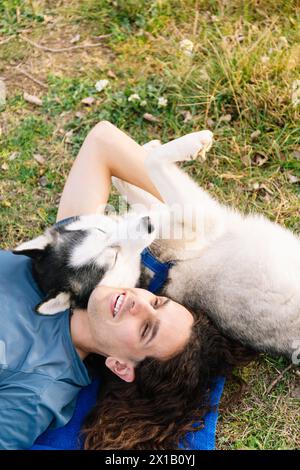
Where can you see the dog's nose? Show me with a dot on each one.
(146, 222)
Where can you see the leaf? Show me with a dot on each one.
(187, 116)
(48, 19)
(32, 99)
(245, 155)
(75, 39)
(39, 158)
(149, 117)
(101, 84)
(225, 118)
(88, 101)
(111, 74)
(210, 122)
(292, 178)
(43, 181)
(79, 115)
(259, 158)
(13, 156)
(254, 136)
(68, 137)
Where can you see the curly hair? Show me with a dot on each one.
(167, 399)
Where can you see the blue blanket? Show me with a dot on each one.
(68, 437)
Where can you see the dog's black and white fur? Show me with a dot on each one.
(242, 270)
(70, 259)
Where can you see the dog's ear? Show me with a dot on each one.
(55, 302)
(33, 248)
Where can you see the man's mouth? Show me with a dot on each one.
(117, 303)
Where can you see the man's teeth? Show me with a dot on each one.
(118, 304)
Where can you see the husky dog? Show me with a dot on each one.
(70, 259)
(243, 271)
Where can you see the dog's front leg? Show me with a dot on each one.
(178, 189)
(174, 185)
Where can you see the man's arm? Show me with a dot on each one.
(106, 152)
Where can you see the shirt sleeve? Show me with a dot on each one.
(25, 413)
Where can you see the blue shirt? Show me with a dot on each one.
(40, 370)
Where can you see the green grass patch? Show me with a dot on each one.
(16, 15)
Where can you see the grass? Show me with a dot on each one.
(237, 81)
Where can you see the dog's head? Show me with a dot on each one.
(69, 260)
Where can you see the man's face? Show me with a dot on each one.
(132, 324)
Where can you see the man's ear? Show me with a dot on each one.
(124, 369)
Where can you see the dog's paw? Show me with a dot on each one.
(198, 143)
(206, 141)
(187, 147)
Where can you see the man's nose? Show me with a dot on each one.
(140, 308)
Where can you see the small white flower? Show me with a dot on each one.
(186, 46)
(134, 97)
(162, 102)
(265, 59)
(144, 103)
(296, 93)
(101, 84)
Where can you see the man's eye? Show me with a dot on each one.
(156, 303)
(146, 330)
